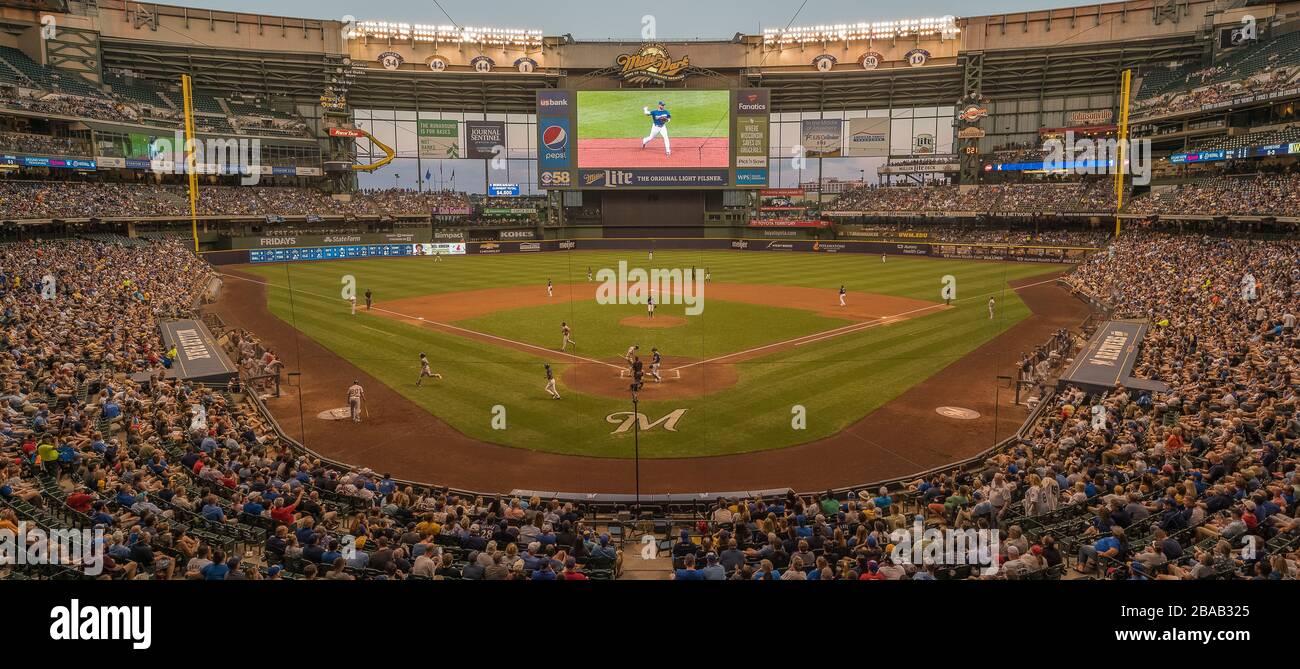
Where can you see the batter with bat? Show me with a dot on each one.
(659, 119)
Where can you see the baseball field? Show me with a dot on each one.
(769, 361)
(612, 124)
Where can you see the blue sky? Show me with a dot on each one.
(591, 19)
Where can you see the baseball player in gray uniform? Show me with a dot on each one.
(425, 371)
(568, 339)
(550, 383)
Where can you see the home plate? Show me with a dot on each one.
(335, 414)
(957, 412)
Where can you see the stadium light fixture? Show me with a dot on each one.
(944, 27)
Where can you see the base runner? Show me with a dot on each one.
(566, 331)
(655, 361)
(356, 395)
(425, 371)
(550, 383)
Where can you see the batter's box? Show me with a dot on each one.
(675, 374)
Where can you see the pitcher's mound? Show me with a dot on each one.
(656, 322)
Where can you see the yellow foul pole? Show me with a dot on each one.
(191, 164)
(1125, 82)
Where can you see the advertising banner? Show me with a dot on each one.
(438, 138)
(483, 137)
(821, 138)
(868, 137)
(637, 178)
(751, 141)
(554, 148)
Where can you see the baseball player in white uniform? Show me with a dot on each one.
(356, 395)
(588, 275)
(652, 255)
(842, 294)
(549, 288)
(567, 332)
(425, 371)
(659, 119)
(352, 301)
(550, 383)
(631, 353)
(991, 305)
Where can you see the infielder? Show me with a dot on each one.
(842, 294)
(631, 353)
(356, 395)
(588, 275)
(567, 332)
(352, 302)
(550, 383)
(708, 276)
(655, 361)
(369, 298)
(425, 371)
(549, 288)
(659, 119)
(650, 306)
(991, 305)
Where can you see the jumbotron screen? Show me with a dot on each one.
(664, 138)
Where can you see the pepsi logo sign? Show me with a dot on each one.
(555, 138)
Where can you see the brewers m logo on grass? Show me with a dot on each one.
(626, 419)
(651, 64)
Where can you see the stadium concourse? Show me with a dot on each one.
(1169, 486)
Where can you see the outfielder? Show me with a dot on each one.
(659, 119)
(631, 353)
(588, 275)
(652, 253)
(550, 383)
(549, 288)
(842, 294)
(708, 276)
(566, 331)
(356, 395)
(991, 305)
(425, 371)
(655, 361)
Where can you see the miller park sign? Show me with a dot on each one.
(651, 64)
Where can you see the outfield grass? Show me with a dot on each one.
(837, 380)
(621, 115)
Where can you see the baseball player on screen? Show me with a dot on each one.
(659, 119)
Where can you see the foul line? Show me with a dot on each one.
(448, 326)
(850, 329)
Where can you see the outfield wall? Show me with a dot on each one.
(996, 252)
